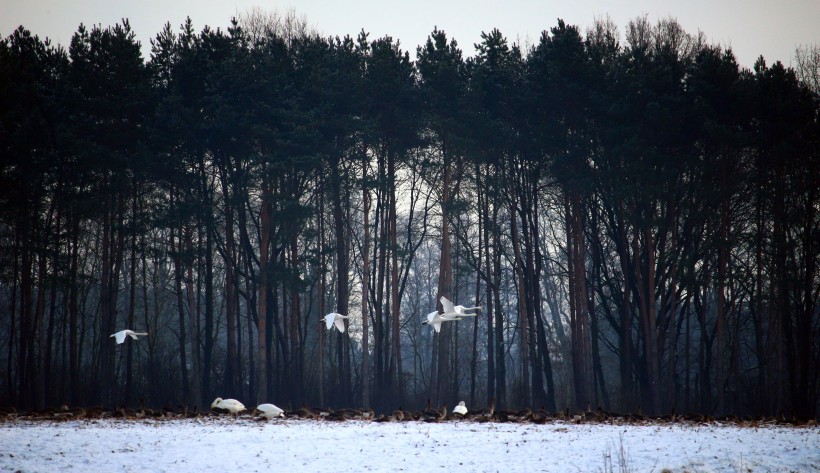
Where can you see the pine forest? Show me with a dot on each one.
(636, 216)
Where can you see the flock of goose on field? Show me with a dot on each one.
(268, 411)
(233, 410)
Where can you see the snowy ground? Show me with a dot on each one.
(244, 445)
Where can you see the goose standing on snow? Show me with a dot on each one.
(231, 405)
(333, 318)
(270, 411)
(120, 336)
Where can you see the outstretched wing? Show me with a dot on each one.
(434, 320)
(340, 324)
(447, 305)
(119, 336)
(329, 320)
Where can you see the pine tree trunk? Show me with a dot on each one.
(579, 319)
(485, 217)
(720, 340)
(207, 218)
(232, 361)
(474, 351)
(262, 302)
(73, 309)
(132, 300)
(807, 380)
(783, 347)
(342, 279)
(193, 316)
(763, 352)
(500, 362)
(522, 397)
(106, 347)
(365, 290)
(625, 340)
(183, 361)
(252, 382)
(445, 288)
(295, 310)
(543, 347)
(149, 324)
(380, 334)
(320, 225)
(394, 279)
(49, 379)
(646, 298)
(209, 311)
(39, 330)
(533, 278)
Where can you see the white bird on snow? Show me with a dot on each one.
(461, 408)
(231, 405)
(120, 336)
(333, 318)
(270, 411)
(435, 319)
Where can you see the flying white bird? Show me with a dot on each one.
(270, 411)
(435, 319)
(456, 311)
(333, 318)
(231, 405)
(462, 311)
(120, 336)
(461, 408)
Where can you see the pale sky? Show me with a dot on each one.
(751, 27)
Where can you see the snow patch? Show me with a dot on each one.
(218, 445)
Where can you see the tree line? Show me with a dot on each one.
(636, 214)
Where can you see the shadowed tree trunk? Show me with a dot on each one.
(262, 302)
(342, 280)
(132, 297)
(443, 383)
(365, 287)
(579, 309)
(394, 280)
(193, 316)
(485, 217)
(320, 225)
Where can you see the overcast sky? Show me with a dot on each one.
(751, 27)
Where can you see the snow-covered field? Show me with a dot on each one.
(244, 445)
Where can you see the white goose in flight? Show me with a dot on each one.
(456, 311)
(120, 336)
(333, 318)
